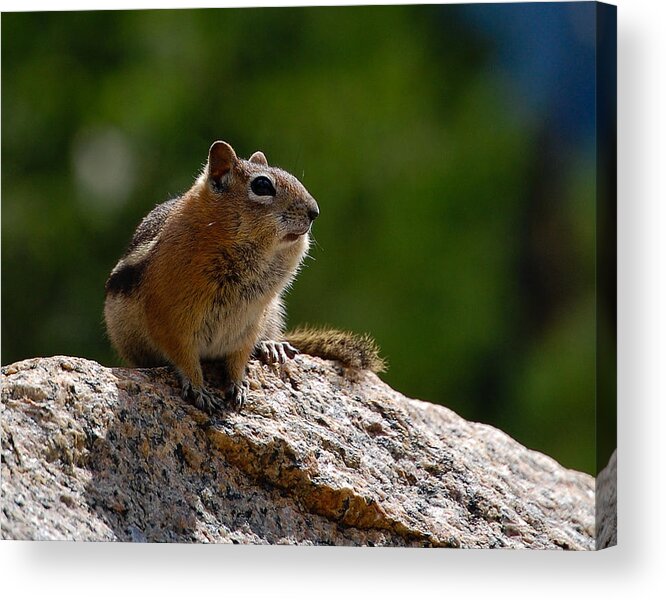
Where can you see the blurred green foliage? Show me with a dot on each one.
(442, 231)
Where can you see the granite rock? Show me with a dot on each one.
(319, 455)
(606, 504)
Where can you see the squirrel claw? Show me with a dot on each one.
(271, 352)
(236, 394)
(202, 398)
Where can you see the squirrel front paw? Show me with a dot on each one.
(202, 398)
(270, 352)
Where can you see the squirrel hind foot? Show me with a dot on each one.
(352, 350)
(202, 398)
(236, 394)
(207, 401)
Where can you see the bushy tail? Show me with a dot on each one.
(352, 350)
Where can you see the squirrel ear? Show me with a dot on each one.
(221, 158)
(259, 158)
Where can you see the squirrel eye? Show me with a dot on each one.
(262, 186)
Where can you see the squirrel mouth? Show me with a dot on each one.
(292, 237)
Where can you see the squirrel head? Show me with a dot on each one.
(260, 202)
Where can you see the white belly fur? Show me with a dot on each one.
(231, 330)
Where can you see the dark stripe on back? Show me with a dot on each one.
(125, 280)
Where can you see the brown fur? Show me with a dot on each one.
(352, 350)
(204, 275)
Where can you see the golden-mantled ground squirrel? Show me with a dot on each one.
(204, 275)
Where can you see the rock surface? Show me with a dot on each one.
(318, 456)
(606, 504)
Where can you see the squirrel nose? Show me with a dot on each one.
(313, 212)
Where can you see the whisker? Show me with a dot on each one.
(316, 243)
